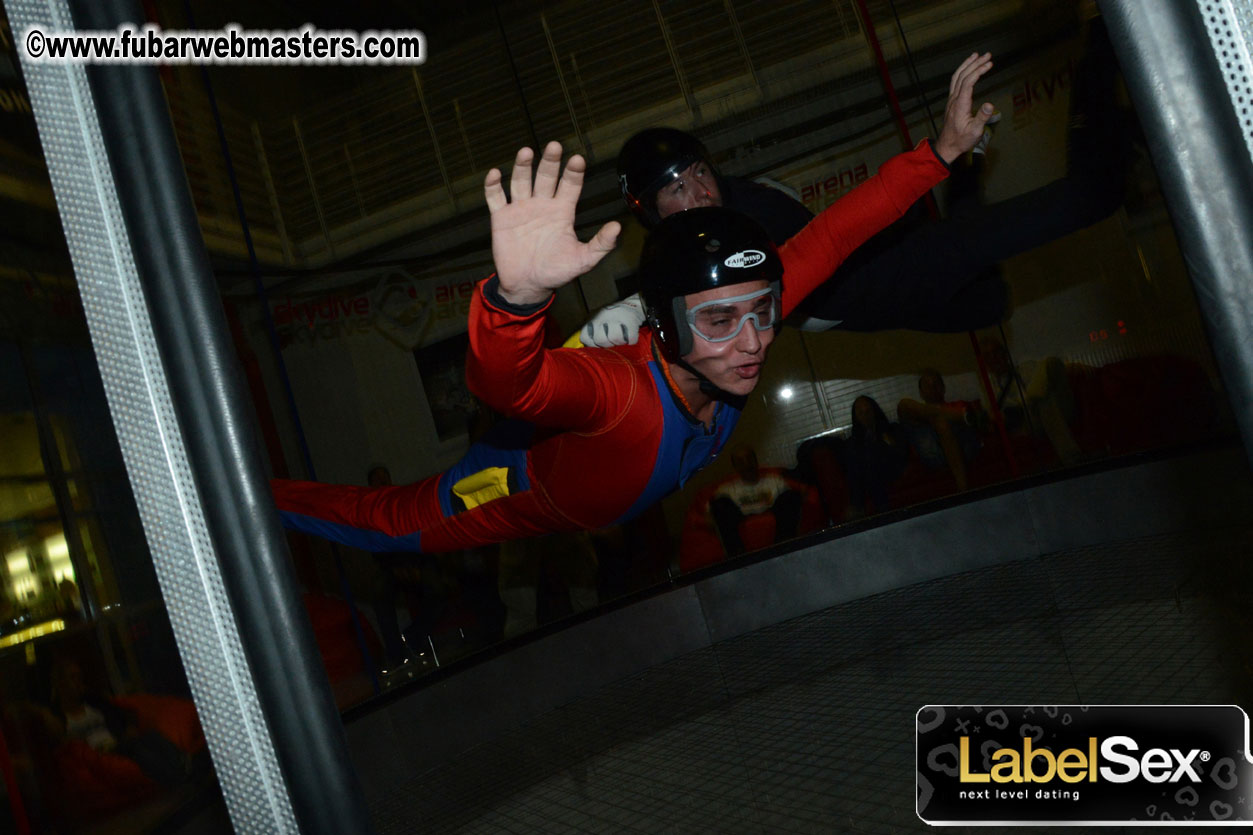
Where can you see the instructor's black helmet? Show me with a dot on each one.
(650, 160)
(696, 250)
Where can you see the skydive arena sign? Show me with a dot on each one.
(1182, 765)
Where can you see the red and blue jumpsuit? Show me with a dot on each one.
(598, 435)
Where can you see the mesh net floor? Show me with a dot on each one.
(808, 725)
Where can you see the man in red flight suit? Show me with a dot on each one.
(652, 413)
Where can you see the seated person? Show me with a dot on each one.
(818, 465)
(106, 753)
(752, 492)
(942, 433)
(1034, 397)
(107, 728)
(874, 456)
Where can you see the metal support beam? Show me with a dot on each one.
(1202, 159)
(181, 414)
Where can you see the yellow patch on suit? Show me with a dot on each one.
(482, 487)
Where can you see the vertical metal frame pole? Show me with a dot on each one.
(186, 436)
(1202, 157)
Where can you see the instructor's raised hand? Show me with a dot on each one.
(533, 239)
(962, 127)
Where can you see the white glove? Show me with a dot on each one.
(615, 324)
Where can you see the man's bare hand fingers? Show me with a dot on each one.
(571, 183)
(603, 242)
(520, 182)
(970, 70)
(976, 71)
(494, 191)
(952, 82)
(548, 169)
(964, 69)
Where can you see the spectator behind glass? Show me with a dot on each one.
(942, 432)
(69, 601)
(8, 614)
(106, 728)
(400, 571)
(873, 457)
(749, 493)
(1034, 396)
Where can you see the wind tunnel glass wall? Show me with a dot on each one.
(97, 727)
(362, 191)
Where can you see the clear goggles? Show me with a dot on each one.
(723, 319)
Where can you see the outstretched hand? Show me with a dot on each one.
(533, 240)
(962, 127)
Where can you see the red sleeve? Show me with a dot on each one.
(812, 255)
(510, 370)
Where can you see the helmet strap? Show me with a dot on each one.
(737, 401)
(707, 387)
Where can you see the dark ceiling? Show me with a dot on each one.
(276, 91)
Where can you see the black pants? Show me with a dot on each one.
(871, 469)
(158, 758)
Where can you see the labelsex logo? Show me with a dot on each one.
(1157, 765)
(1151, 765)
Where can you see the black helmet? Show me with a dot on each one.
(648, 161)
(696, 250)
